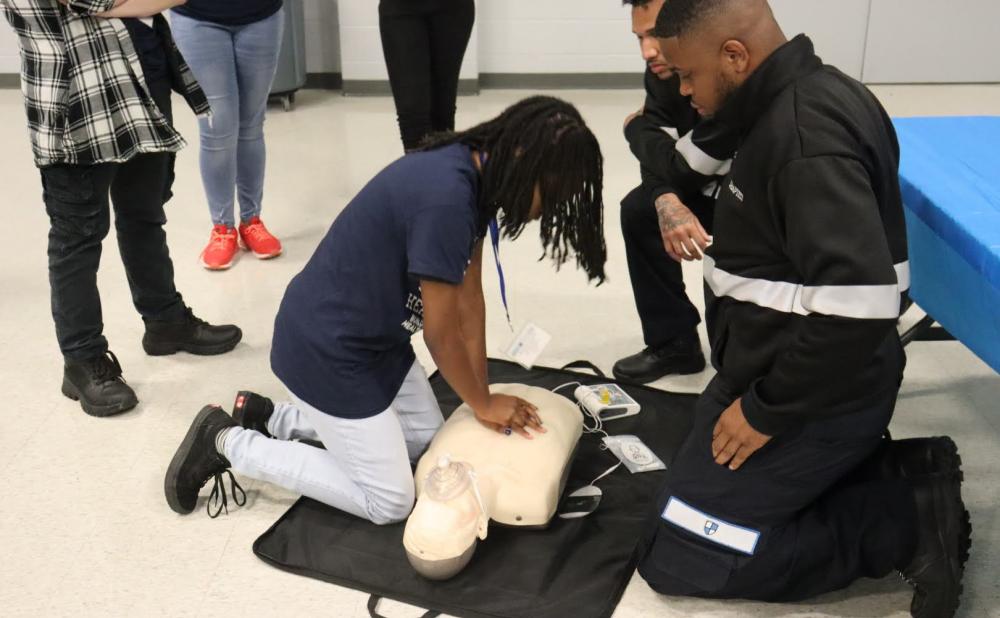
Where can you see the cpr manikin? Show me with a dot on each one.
(471, 474)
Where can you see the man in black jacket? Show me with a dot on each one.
(665, 220)
(768, 498)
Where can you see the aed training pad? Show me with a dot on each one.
(575, 567)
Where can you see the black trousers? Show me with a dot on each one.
(77, 202)
(665, 310)
(822, 524)
(424, 48)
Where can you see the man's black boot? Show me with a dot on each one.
(196, 461)
(252, 411)
(98, 385)
(681, 355)
(189, 334)
(944, 537)
(920, 457)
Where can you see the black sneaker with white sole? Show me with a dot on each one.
(197, 461)
(98, 385)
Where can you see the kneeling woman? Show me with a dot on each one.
(404, 255)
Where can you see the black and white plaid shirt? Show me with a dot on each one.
(84, 90)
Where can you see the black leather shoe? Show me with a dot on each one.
(681, 356)
(98, 385)
(944, 537)
(252, 411)
(189, 334)
(196, 461)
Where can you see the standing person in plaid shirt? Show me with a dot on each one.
(97, 77)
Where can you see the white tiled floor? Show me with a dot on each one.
(84, 528)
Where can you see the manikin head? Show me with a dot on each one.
(716, 45)
(440, 535)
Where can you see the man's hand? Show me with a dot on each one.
(733, 439)
(684, 238)
(505, 412)
(633, 116)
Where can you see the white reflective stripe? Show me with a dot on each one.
(700, 161)
(710, 528)
(861, 302)
(903, 275)
(778, 295)
(672, 132)
(866, 302)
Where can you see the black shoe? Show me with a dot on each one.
(252, 411)
(681, 356)
(98, 385)
(920, 457)
(944, 537)
(196, 461)
(189, 334)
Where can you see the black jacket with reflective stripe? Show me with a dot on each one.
(804, 281)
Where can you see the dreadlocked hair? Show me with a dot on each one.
(541, 140)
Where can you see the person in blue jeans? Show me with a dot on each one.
(405, 255)
(232, 47)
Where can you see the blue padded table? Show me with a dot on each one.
(950, 177)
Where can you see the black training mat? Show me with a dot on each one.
(576, 568)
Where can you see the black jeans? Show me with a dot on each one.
(665, 311)
(424, 48)
(821, 524)
(76, 200)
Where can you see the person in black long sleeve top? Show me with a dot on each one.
(786, 487)
(667, 218)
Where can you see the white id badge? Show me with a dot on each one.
(528, 345)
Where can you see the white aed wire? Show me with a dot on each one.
(598, 423)
(597, 428)
(559, 388)
(606, 472)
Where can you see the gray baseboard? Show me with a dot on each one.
(514, 81)
(318, 81)
(511, 81)
(379, 88)
(324, 81)
(486, 81)
(561, 81)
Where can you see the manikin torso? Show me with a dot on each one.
(471, 474)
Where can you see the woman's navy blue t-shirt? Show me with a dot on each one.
(342, 334)
(229, 12)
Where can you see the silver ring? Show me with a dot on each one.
(507, 431)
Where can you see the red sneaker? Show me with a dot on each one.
(221, 248)
(255, 237)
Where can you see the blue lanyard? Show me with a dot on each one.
(495, 237)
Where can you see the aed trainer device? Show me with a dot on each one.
(606, 402)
